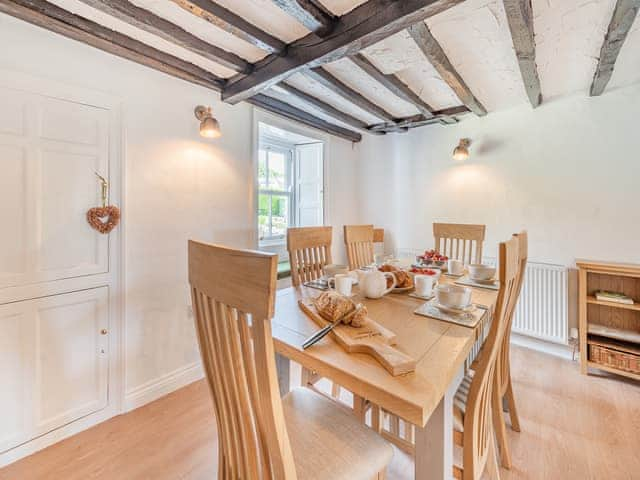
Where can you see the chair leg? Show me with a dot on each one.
(359, 408)
(376, 424)
(513, 412)
(493, 468)
(500, 429)
(381, 475)
(335, 391)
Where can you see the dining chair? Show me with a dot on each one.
(459, 241)
(260, 435)
(358, 240)
(309, 251)
(475, 402)
(504, 387)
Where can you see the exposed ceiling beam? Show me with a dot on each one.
(436, 56)
(393, 84)
(326, 79)
(420, 120)
(150, 22)
(284, 109)
(520, 19)
(624, 15)
(63, 22)
(234, 24)
(323, 106)
(365, 25)
(310, 13)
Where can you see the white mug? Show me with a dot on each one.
(341, 283)
(455, 267)
(424, 285)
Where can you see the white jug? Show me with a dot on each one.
(373, 283)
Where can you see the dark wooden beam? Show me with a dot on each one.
(365, 25)
(420, 120)
(393, 84)
(436, 56)
(150, 22)
(325, 78)
(323, 106)
(288, 111)
(623, 17)
(310, 13)
(234, 24)
(63, 22)
(520, 19)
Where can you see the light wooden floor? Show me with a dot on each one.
(573, 427)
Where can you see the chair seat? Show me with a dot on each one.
(460, 402)
(328, 441)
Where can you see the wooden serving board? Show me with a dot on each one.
(355, 340)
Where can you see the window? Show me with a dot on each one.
(275, 201)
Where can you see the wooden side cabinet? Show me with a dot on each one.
(609, 331)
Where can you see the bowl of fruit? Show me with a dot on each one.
(431, 272)
(433, 258)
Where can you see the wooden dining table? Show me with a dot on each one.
(423, 398)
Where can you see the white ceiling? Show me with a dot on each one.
(474, 35)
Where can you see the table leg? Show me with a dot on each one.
(434, 441)
(283, 366)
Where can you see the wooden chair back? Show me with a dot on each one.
(478, 422)
(378, 235)
(358, 240)
(459, 241)
(309, 251)
(233, 294)
(503, 373)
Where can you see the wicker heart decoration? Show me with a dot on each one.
(96, 215)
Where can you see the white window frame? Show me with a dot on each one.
(271, 145)
(259, 117)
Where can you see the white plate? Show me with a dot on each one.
(401, 289)
(457, 311)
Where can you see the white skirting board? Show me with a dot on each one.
(550, 348)
(162, 386)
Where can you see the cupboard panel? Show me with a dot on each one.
(16, 374)
(71, 356)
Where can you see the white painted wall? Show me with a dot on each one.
(567, 171)
(178, 186)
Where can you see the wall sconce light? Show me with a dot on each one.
(209, 126)
(461, 152)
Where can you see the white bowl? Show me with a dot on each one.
(478, 271)
(453, 296)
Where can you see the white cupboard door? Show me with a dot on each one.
(16, 374)
(71, 366)
(50, 149)
(309, 185)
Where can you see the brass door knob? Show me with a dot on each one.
(103, 331)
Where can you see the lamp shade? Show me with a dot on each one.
(210, 128)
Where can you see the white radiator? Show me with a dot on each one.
(542, 311)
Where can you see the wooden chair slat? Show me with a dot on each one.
(309, 251)
(450, 239)
(358, 241)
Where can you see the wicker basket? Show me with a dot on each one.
(614, 358)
